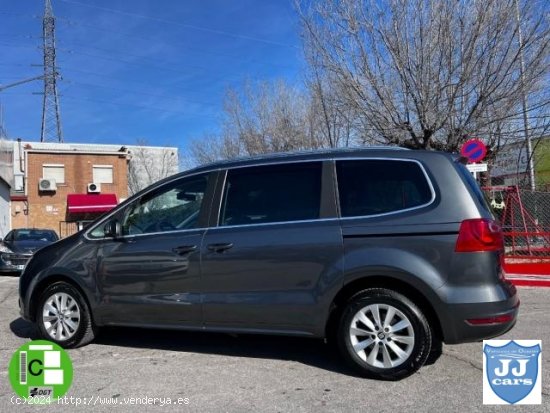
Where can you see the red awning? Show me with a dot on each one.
(81, 203)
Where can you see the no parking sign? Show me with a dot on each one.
(474, 149)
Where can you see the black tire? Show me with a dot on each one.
(85, 331)
(406, 310)
(435, 352)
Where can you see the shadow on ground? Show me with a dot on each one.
(311, 352)
(24, 329)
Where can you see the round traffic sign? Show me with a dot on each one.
(473, 149)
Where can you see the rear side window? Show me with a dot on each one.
(279, 193)
(371, 187)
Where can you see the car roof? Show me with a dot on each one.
(298, 156)
(323, 154)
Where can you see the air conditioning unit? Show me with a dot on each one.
(45, 185)
(94, 188)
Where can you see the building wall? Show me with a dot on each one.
(6, 180)
(510, 166)
(6, 161)
(160, 161)
(5, 221)
(19, 216)
(48, 209)
(542, 164)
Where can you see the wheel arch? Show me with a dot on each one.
(49, 280)
(381, 281)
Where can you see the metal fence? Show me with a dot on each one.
(525, 220)
(67, 228)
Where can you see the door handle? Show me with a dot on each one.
(220, 247)
(184, 249)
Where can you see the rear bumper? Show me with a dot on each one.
(470, 322)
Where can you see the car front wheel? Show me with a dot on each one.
(63, 316)
(384, 335)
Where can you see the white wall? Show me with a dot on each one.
(5, 211)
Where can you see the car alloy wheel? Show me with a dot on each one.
(61, 316)
(382, 336)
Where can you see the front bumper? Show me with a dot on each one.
(13, 262)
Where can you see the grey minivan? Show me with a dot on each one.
(388, 252)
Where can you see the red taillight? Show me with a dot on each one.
(479, 234)
(501, 319)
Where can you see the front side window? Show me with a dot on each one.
(170, 208)
(371, 187)
(272, 193)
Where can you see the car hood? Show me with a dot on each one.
(26, 247)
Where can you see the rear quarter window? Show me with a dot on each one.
(474, 187)
(372, 187)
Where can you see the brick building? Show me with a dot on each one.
(65, 189)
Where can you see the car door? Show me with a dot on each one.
(274, 255)
(149, 274)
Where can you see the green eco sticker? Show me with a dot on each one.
(41, 369)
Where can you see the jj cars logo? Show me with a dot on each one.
(511, 372)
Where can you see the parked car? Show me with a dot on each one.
(389, 252)
(19, 245)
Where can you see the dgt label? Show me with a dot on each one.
(512, 372)
(40, 369)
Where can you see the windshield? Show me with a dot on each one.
(34, 235)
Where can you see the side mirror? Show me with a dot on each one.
(112, 229)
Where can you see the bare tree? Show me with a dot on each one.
(212, 147)
(149, 164)
(428, 73)
(332, 121)
(263, 117)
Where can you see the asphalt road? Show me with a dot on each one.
(218, 372)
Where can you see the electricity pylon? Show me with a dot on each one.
(51, 118)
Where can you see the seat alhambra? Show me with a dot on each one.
(387, 252)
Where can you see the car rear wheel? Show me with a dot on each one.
(384, 335)
(63, 316)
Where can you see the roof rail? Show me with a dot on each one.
(305, 152)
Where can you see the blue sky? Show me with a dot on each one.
(143, 69)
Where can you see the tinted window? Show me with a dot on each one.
(170, 208)
(370, 187)
(34, 235)
(277, 193)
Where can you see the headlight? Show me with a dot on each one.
(3, 248)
